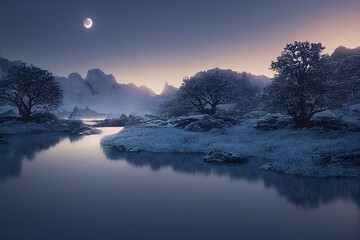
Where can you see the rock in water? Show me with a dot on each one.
(223, 157)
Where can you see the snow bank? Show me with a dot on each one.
(289, 151)
(66, 126)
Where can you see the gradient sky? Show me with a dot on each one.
(149, 42)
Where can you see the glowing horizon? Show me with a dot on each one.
(158, 42)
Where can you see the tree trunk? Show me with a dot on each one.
(212, 110)
(301, 121)
(25, 114)
(26, 117)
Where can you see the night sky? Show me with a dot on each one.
(150, 42)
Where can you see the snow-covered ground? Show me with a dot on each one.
(288, 150)
(67, 126)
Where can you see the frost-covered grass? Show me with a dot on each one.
(20, 127)
(290, 151)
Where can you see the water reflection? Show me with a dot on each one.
(303, 192)
(24, 147)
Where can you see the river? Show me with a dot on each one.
(59, 187)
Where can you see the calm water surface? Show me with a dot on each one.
(56, 187)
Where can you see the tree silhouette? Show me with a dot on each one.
(205, 91)
(30, 88)
(302, 85)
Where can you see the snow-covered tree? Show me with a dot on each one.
(214, 90)
(205, 91)
(30, 88)
(246, 93)
(303, 84)
(346, 75)
(174, 107)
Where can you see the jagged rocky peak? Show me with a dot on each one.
(99, 80)
(147, 91)
(345, 52)
(96, 74)
(168, 89)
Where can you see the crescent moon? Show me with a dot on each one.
(88, 23)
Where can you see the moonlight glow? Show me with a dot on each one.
(88, 23)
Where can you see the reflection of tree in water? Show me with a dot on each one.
(24, 147)
(75, 138)
(304, 192)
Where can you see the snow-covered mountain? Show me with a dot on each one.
(168, 90)
(345, 52)
(258, 80)
(76, 90)
(103, 93)
(100, 81)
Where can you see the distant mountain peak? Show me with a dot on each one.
(96, 71)
(342, 51)
(75, 75)
(97, 74)
(168, 89)
(147, 91)
(99, 80)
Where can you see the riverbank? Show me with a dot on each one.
(45, 123)
(307, 152)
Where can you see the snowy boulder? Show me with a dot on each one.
(227, 120)
(8, 113)
(206, 124)
(254, 115)
(273, 121)
(335, 124)
(182, 122)
(223, 157)
(201, 123)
